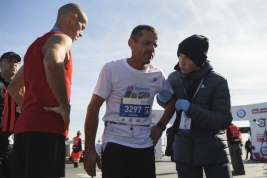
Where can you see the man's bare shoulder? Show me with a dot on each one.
(57, 39)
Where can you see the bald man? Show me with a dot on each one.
(41, 129)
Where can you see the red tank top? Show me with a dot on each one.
(39, 94)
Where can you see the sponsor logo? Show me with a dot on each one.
(262, 110)
(122, 119)
(264, 150)
(261, 122)
(145, 102)
(154, 69)
(130, 119)
(255, 111)
(139, 88)
(260, 138)
(147, 110)
(153, 115)
(259, 110)
(241, 113)
(138, 120)
(154, 79)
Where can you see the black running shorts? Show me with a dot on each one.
(38, 154)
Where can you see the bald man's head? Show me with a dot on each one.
(71, 20)
(69, 9)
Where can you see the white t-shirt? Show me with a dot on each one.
(129, 95)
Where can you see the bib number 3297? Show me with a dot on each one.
(134, 110)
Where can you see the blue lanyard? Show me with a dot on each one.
(56, 29)
(201, 82)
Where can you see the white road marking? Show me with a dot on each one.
(98, 175)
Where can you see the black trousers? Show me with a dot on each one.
(218, 171)
(120, 161)
(38, 154)
(4, 167)
(251, 155)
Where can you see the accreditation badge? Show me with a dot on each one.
(185, 123)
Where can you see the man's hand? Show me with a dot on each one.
(155, 134)
(182, 104)
(90, 160)
(64, 112)
(165, 96)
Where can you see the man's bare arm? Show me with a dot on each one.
(169, 111)
(156, 131)
(16, 88)
(56, 51)
(90, 129)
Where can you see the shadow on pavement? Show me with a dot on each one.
(164, 174)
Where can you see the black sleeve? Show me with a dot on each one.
(228, 134)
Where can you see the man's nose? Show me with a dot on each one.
(152, 48)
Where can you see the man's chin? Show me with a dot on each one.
(149, 60)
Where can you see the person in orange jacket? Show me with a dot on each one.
(234, 137)
(76, 149)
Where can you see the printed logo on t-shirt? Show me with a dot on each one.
(154, 79)
(137, 92)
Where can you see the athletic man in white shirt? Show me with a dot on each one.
(128, 86)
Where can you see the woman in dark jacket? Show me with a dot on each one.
(203, 111)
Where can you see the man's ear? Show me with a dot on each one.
(130, 42)
(73, 17)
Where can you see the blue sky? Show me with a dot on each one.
(236, 30)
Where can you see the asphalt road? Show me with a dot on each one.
(166, 169)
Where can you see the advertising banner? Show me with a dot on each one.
(256, 114)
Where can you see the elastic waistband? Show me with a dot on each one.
(112, 122)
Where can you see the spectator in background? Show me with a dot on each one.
(248, 149)
(234, 137)
(76, 149)
(9, 110)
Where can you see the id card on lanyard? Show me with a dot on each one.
(185, 122)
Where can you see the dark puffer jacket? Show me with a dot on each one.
(210, 111)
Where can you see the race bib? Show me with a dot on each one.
(134, 111)
(185, 123)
